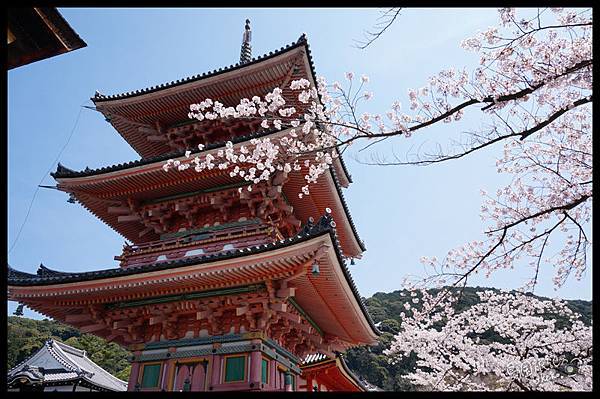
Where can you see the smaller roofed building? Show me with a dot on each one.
(60, 367)
(321, 373)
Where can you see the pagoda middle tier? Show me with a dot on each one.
(131, 305)
(146, 204)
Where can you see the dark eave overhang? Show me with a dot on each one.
(63, 29)
(38, 33)
(324, 360)
(309, 231)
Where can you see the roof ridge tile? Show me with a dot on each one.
(301, 41)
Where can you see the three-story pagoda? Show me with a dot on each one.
(218, 290)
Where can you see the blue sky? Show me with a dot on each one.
(402, 213)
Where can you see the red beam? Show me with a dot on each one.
(128, 218)
(92, 327)
(119, 209)
(74, 318)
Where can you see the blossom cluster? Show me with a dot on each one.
(478, 348)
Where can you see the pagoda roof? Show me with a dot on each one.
(166, 106)
(57, 363)
(301, 42)
(73, 181)
(193, 85)
(18, 281)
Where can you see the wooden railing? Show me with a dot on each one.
(210, 240)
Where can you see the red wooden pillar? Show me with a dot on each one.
(133, 377)
(215, 377)
(273, 375)
(168, 369)
(256, 365)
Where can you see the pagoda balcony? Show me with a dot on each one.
(198, 242)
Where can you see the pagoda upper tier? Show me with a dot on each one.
(154, 121)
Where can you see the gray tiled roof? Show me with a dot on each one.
(313, 358)
(58, 362)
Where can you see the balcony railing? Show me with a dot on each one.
(206, 240)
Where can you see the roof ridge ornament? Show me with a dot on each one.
(43, 271)
(246, 51)
(60, 169)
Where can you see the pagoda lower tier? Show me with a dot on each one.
(238, 319)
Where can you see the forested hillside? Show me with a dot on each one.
(25, 336)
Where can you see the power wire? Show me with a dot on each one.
(45, 175)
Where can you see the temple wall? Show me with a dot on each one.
(241, 365)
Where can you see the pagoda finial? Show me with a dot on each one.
(246, 52)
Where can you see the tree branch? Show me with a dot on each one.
(375, 35)
(523, 135)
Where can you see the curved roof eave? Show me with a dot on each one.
(351, 373)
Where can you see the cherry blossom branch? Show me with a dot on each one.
(564, 207)
(522, 93)
(522, 136)
(541, 28)
(554, 117)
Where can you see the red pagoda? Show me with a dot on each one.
(217, 290)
